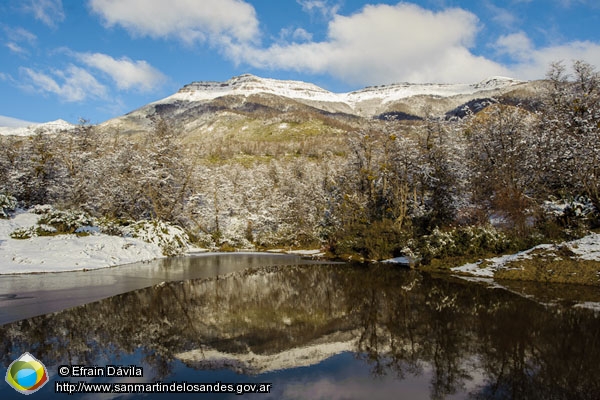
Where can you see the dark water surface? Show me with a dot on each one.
(27, 295)
(320, 331)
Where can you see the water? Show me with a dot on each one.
(319, 331)
(27, 295)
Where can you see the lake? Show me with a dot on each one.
(307, 330)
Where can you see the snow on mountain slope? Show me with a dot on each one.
(398, 91)
(45, 128)
(249, 84)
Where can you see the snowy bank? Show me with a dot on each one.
(66, 252)
(586, 248)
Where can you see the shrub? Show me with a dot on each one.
(33, 231)
(571, 213)
(115, 227)
(375, 241)
(24, 233)
(471, 240)
(170, 238)
(7, 204)
(64, 221)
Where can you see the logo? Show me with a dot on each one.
(27, 374)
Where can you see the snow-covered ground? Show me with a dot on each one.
(586, 248)
(66, 252)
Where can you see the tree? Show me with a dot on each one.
(569, 132)
(498, 149)
(164, 173)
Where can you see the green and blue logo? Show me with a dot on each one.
(27, 374)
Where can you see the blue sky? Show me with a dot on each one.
(97, 59)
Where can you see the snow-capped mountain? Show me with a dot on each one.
(359, 102)
(198, 105)
(249, 84)
(28, 128)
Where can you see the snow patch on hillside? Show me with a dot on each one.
(246, 85)
(45, 128)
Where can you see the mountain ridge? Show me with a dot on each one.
(248, 84)
(199, 105)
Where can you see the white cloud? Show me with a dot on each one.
(570, 3)
(296, 35)
(501, 16)
(321, 7)
(384, 43)
(378, 44)
(20, 35)
(301, 35)
(537, 63)
(50, 12)
(188, 20)
(71, 85)
(517, 45)
(18, 39)
(126, 73)
(15, 48)
(532, 63)
(14, 122)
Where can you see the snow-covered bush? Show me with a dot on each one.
(68, 221)
(115, 227)
(172, 239)
(55, 222)
(24, 232)
(33, 231)
(7, 204)
(41, 209)
(577, 207)
(204, 239)
(462, 241)
(235, 234)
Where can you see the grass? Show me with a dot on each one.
(446, 263)
(555, 292)
(550, 266)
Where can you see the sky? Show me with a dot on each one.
(98, 59)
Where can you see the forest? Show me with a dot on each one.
(503, 179)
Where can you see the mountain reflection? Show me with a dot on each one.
(490, 343)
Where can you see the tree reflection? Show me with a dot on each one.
(490, 343)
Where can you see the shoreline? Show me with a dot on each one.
(576, 261)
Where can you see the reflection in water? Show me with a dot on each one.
(469, 341)
(28, 295)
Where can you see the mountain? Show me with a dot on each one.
(363, 102)
(195, 106)
(11, 126)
